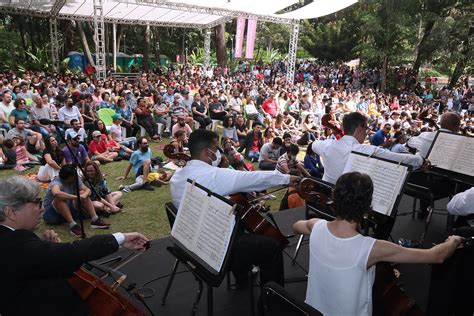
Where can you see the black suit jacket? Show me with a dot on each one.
(33, 272)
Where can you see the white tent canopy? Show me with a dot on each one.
(202, 14)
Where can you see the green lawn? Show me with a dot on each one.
(143, 212)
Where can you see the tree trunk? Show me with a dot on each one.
(463, 60)
(220, 45)
(156, 46)
(421, 54)
(85, 45)
(383, 74)
(120, 31)
(146, 48)
(67, 29)
(24, 42)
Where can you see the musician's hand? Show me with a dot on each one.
(294, 180)
(51, 235)
(134, 241)
(426, 165)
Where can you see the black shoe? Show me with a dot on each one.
(76, 231)
(147, 186)
(156, 184)
(99, 224)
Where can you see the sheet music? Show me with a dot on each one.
(387, 177)
(453, 152)
(204, 225)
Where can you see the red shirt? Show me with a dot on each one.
(95, 147)
(270, 107)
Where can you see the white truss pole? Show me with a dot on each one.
(53, 33)
(99, 37)
(207, 48)
(290, 74)
(114, 44)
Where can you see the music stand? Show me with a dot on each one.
(197, 264)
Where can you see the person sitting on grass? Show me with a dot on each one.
(140, 161)
(23, 158)
(60, 202)
(54, 158)
(103, 200)
(98, 149)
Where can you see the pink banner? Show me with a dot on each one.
(239, 36)
(251, 34)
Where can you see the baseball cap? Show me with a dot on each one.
(117, 116)
(96, 133)
(72, 135)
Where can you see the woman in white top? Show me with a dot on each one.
(342, 261)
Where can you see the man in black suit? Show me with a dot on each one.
(34, 270)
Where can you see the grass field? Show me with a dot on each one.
(143, 212)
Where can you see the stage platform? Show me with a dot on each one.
(150, 270)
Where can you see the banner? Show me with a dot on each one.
(239, 37)
(251, 34)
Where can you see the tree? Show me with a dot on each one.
(220, 45)
(146, 48)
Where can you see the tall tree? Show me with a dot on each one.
(85, 44)
(146, 48)
(220, 45)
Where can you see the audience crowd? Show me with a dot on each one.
(259, 117)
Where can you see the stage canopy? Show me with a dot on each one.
(201, 14)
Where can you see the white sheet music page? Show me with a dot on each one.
(387, 177)
(216, 230)
(453, 152)
(204, 225)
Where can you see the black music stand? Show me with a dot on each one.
(202, 271)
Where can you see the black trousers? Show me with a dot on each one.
(264, 252)
(267, 165)
(147, 123)
(203, 121)
(132, 129)
(218, 116)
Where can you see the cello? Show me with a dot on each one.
(388, 298)
(249, 214)
(103, 299)
(327, 121)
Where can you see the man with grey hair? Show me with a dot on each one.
(34, 270)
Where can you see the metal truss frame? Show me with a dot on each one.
(213, 11)
(290, 73)
(53, 33)
(99, 27)
(207, 48)
(99, 38)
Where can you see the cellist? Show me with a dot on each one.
(342, 261)
(249, 249)
(34, 271)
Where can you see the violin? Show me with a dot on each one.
(171, 153)
(254, 222)
(326, 121)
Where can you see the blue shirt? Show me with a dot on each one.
(378, 138)
(67, 188)
(138, 157)
(125, 113)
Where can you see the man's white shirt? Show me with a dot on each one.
(335, 154)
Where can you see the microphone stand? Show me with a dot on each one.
(77, 165)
